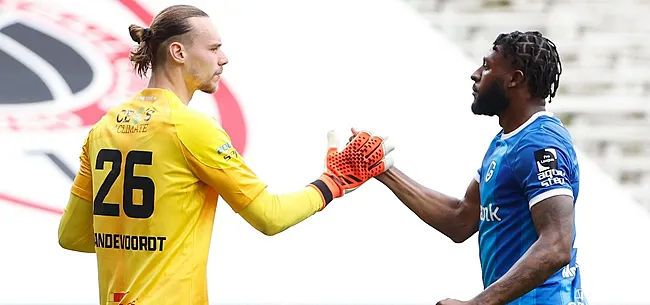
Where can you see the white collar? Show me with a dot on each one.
(525, 124)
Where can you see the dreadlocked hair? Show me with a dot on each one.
(537, 57)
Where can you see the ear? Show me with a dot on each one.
(517, 79)
(177, 52)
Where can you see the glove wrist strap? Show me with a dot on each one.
(328, 189)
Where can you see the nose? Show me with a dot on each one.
(223, 59)
(476, 76)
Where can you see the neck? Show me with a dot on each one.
(172, 80)
(514, 117)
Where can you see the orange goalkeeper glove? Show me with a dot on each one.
(362, 159)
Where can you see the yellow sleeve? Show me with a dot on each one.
(272, 214)
(211, 156)
(76, 226)
(83, 185)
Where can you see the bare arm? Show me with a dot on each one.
(457, 218)
(553, 218)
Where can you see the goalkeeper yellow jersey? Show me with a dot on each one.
(147, 167)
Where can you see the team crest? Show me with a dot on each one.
(490, 171)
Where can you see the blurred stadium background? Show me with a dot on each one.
(605, 50)
(402, 64)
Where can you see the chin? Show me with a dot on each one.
(478, 110)
(210, 90)
(475, 108)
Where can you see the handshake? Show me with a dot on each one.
(362, 158)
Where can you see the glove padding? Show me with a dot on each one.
(362, 159)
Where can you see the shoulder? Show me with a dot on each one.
(107, 122)
(188, 121)
(545, 131)
(547, 145)
(201, 135)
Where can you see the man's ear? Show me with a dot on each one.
(177, 52)
(517, 79)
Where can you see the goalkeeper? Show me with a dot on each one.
(151, 169)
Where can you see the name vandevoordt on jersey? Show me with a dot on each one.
(130, 242)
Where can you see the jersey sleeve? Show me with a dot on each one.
(543, 166)
(82, 185)
(477, 176)
(211, 156)
(272, 214)
(76, 226)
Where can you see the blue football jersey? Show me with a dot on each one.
(520, 169)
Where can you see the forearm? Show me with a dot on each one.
(539, 263)
(272, 214)
(446, 214)
(76, 226)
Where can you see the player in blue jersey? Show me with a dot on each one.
(521, 201)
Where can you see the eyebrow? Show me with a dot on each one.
(215, 45)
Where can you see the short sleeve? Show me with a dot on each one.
(477, 176)
(213, 159)
(82, 185)
(544, 167)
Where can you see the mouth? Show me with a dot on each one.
(474, 90)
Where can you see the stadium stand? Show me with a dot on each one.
(605, 50)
